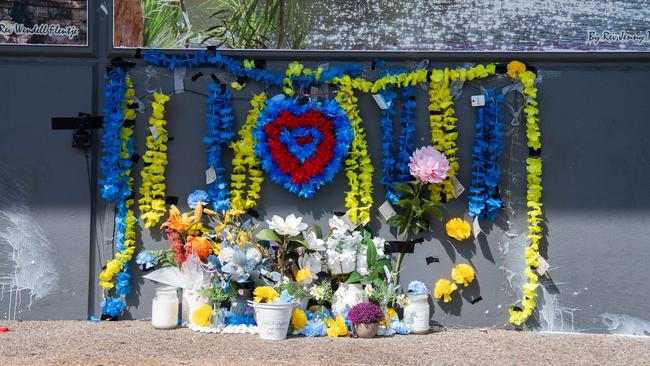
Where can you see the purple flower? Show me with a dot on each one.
(365, 313)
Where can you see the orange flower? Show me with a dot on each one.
(200, 246)
(515, 68)
(176, 221)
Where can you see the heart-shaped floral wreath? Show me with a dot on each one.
(302, 146)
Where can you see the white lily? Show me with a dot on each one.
(311, 261)
(313, 242)
(291, 226)
(338, 225)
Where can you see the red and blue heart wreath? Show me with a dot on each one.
(302, 147)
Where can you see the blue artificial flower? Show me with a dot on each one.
(113, 306)
(240, 319)
(198, 196)
(123, 286)
(417, 287)
(146, 260)
(314, 328)
(284, 298)
(400, 327)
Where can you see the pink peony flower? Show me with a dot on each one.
(429, 165)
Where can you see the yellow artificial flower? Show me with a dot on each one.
(443, 289)
(463, 274)
(298, 319)
(458, 229)
(265, 294)
(201, 316)
(390, 315)
(515, 68)
(304, 275)
(337, 328)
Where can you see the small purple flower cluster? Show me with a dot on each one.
(365, 313)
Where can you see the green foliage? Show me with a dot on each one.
(294, 289)
(217, 295)
(259, 24)
(165, 24)
(375, 265)
(415, 208)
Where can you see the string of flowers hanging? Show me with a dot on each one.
(519, 314)
(484, 198)
(152, 203)
(219, 118)
(245, 165)
(117, 187)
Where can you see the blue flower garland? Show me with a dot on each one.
(230, 65)
(219, 117)
(395, 166)
(341, 129)
(488, 145)
(117, 186)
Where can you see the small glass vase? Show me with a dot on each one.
(218, 317)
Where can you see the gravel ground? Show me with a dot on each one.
(137, 343)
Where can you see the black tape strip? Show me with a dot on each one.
(373, 63)
(530, 67)
(417, 241)
(128, 123)
(211, 48)
(242, 80)
(132, 195)
(339, 213)
(534, 152)
(133, 106)
(135, 158)
(120, 62)
(260, 64)
(399, 247)
(475, 300)
(215, 78)
(252, 213)
(197, 76)
(170, 138)
(517, 308)
(431, 259)
(73, 123)
(138, 53)
(171, 200)
(501, 68)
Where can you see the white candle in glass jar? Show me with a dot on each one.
(416, 313)
(164, 308)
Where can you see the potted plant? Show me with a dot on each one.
(365, 318)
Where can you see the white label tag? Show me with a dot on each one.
(542, 266)
(478, 100)
(381, 102)
(386, 210)
(210, 175)
(476, 227)
(179, 80)
(154, 132)
(458, 188)
(346, 219)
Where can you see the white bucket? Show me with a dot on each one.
(272, 320)
(192, 300)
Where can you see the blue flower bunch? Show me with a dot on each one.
(388, 159)
(219, 117)
(197, 196)
(173, 62)
(123, 284)
(305, 151)
(113, 306)
(488, 145)
(146, 260)
(417, 287)
(342, 131)
(407, 136)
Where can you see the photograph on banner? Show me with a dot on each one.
(44, 22)
(408, 25)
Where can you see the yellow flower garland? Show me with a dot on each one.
(443, 121)
(152, 204)
(534, 195)
(115, 266)
(245, 164)
(358, 166)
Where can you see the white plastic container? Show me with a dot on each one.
(272, 320)
(416, 313)
(164, 308)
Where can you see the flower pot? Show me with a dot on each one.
(272, 320)
(366, 330)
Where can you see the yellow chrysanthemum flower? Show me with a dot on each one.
(304, 275)
(458, 229)
(337, 328)
(265, 294)
(463, 274)
(298, 319)
(390, 315)
(515, 68)
(443, 289)
(201, 316)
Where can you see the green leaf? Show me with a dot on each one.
(404, 203)
(396, 221)
(355, 277)
(300, 240)
(317, 230)
(371, 252)
(403, 188)
(372, 276)
(379, 265)
(269, 235)
(435, 212)
(422, 224)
